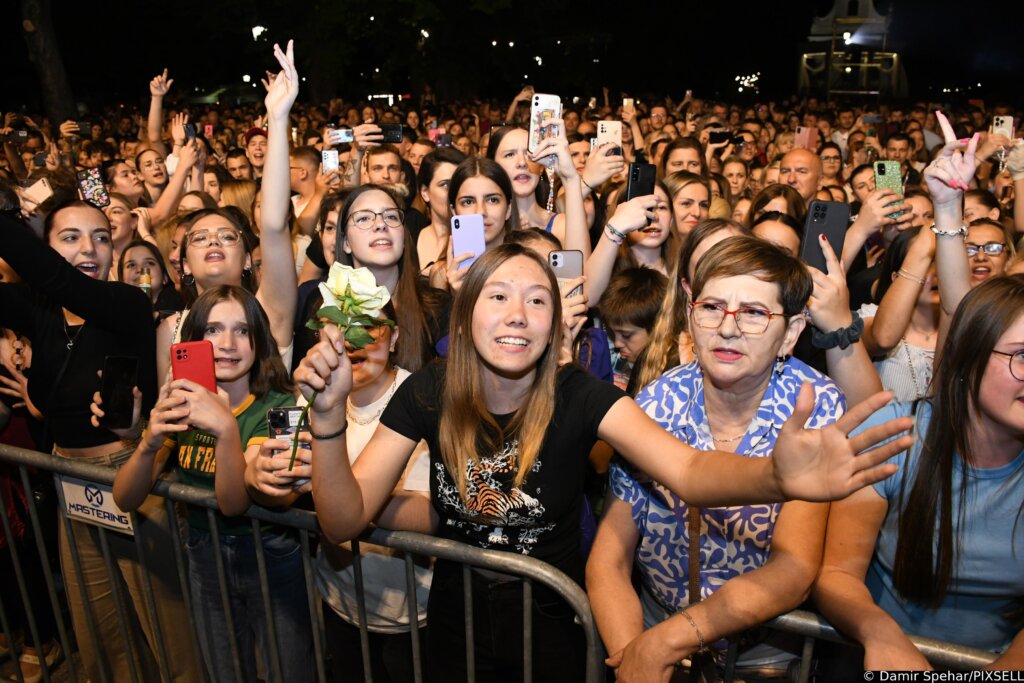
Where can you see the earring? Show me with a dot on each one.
(188, 280)
(780, 364)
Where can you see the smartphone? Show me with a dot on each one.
(120, 375)
(830, 219)
(568, 265)
(468, 237)
(1002, 125)
(340, 135)
(543, 109)
(84, 128)
(609, 131)
(640, 180)
(888, 175)
(627, 103)
(283, 424)
(329, 161)
(444, 140)
(194, 361)
(38, 192)
(717, 137)
(806, 138)
(392, 132)
(208, 130)
(434, 133)
(39, 160)
(17, 136)
(873, 119)
(190, 131)
(90, 185)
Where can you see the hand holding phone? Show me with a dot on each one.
(543, 110)
(92, 189)
(194, 361)
(329, 161)
(120, 376)
(468, 237)
(640, 180)
(568, 265)
(830, 219)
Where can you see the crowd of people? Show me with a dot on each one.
(700, 428)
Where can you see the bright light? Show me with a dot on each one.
(371, 18)
(740, 89)
(526, 75)
(511, 44)
(558, 42)
(848, 70)
(846, 36)
(246, 78)
(425, 33)
(376, 71)
(257, 31)
(748, 82)
(494, 43)
(597, 61)
(303, 79)
(979, 85)
(540, 62)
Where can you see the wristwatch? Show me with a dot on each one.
(960, 232)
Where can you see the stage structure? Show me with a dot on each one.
(847, 54)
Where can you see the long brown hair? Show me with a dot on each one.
(467, 428)
(268, 371)
(923, 568)
(413, 300)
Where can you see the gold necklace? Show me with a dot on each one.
(385, 399)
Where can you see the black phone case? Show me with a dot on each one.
(120, 375)
(640, 181)
(392, 132)
(824, 218)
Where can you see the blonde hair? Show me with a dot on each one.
(467, 429)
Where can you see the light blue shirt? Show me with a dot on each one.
(988, 577)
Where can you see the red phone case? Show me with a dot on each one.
(194, 361)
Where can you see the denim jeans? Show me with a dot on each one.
(288, 604)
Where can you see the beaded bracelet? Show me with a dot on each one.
(909, 276)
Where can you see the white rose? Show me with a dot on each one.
(364, 289)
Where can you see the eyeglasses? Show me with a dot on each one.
(830, 158)
(990, 248)
(227, 237)
(749, 320)
(365, 219)
(1016, 361)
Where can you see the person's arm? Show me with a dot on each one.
(629, 216)
(364, 136)
(136, 477)
(851, 368)
(807, 464)
(524, 94)
(158, 88)
(278, 287)
(873, 216)
(900, 300)
(110, 305)
(742, 602)
(840, 593)
(613, 600)
(169, 198)
(629, 117)
(347, 497)
(1013, 658)
(571, 227)
(947, 177)
(325, 182)
(1015, 164)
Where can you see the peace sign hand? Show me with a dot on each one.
(952, 170)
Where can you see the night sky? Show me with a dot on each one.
(112, 49)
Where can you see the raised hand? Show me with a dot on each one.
(326, 370)
(178, 122)
(600, 166)
(281, 93)
(557, 148)
(829, 304)
(952, 170)
(637, 213)
(828, 464)
(160, 84)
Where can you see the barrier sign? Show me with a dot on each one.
(87, 501)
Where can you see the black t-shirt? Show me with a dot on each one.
(541, 518)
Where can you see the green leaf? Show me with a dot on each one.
(358, 337)
(334, 315)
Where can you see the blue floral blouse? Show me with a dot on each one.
(734, 540)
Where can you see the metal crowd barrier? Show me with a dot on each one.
(806, 624)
